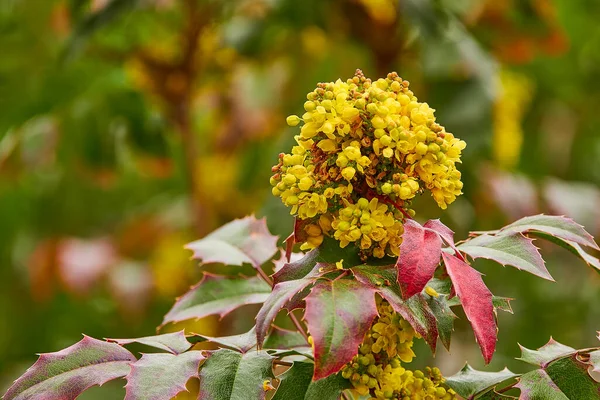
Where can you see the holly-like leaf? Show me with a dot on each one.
(476, 300)
(558, 226)
(572, 247)
(510, 249)
(415, 310)
(469, 382)
(545, 354)
(329, 252)
(216, 294)
(444, 317)
(445, 233)
(338, 312)
(245, 240)
(229, 375)
(242, 342)
(283, 294)
(295, 381)
(419, 257)
(64, 375)
(175, 342)
(161, 376)
(563, 373)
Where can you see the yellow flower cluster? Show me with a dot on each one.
(377, 370)
(364, 151)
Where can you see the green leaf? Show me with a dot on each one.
(242, 342)
(572, 247)
(564, 373)
(561, 227)
(329, 388)
(512, 249)
(175, 342)
(67, 373)
(339, 313)
(229, 375)
(161, 376)
(216, 294)
(471, 383)
(295, 381)
(329, 252)
(545, 354)
(245, 240)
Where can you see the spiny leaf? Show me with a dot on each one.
(415, 310)
(538, 385)
(283, 293)
(229, 375)
(545, 354)
(339, 313)
(175, 342)
(445, 233)
(419, 257)
(559, 226)
(161, 376)
(572, 247)
(294, 382)
(469, 382)
(444, 317)
(476, 300)
(329, 252)
(64, 375)
(242, 342)
(245, 240)
(217, 295)
(511, 249)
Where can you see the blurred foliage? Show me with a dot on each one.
(130, 127)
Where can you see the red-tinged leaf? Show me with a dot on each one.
(338, 313)
(242, 342)
(161, 376)
(415, 310)
(559, 226)
(175, 342)
(545, 354)
(511, 249)
(419, 257)
(217, 295)
(445, 233)
(476, 300)
(245, 240)
(329, 252)
(229, 375)
(64, 375)
(283, 294)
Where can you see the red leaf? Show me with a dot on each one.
(419, 256)
(339, 314)
(476, 300)
(445, 233)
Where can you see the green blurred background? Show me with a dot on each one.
(131, 127)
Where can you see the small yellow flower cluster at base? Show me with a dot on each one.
(377, 369)
(364, 151)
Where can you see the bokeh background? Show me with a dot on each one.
(131, 127)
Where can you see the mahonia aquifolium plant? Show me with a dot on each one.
(364, 151)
